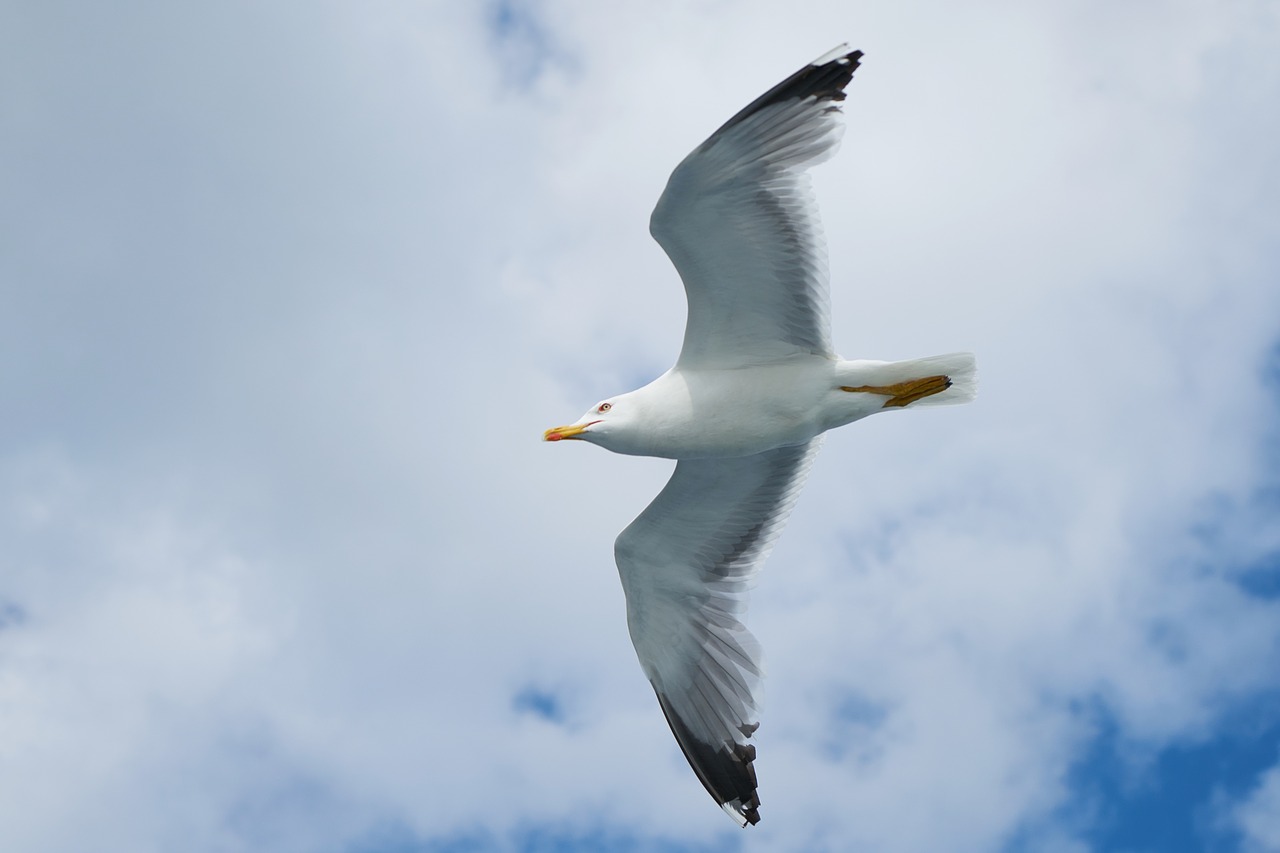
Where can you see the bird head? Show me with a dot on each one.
(606, 423)
(594, 426)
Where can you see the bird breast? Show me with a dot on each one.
(691, 414)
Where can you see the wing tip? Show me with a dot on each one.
(840, 55)
(725, 770)
(827, 76)
(823, 79)
(743, 815)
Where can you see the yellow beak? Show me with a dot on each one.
(574, 431)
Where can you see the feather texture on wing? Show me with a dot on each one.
(738, 220)
(686, 565)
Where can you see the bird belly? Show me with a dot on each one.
(739, 412)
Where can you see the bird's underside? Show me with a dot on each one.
(743, 411)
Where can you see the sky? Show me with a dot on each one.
(289, 291)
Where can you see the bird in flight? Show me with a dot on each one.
(743, 412)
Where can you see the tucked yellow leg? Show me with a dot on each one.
(905, 393)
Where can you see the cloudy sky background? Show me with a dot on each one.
(288, 292)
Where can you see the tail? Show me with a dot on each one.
(959, 367)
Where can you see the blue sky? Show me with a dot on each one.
(288, 293)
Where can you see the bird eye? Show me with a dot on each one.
(604, 407)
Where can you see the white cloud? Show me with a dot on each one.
(290, 293)
(1258, 816)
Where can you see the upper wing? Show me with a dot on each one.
(739, 222)
(686, 564)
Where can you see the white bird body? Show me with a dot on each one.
(696, 413)
(743, 411)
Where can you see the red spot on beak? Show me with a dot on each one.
(554, 436)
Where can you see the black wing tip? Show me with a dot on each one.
(825, 79)
(746, 810)
(725, 770)
(830, 73)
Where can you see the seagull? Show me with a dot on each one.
(743, 412)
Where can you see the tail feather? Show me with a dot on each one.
(959, 367)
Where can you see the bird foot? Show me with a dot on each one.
(905, 393)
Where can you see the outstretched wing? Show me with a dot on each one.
(686, 564)
(739, 222)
